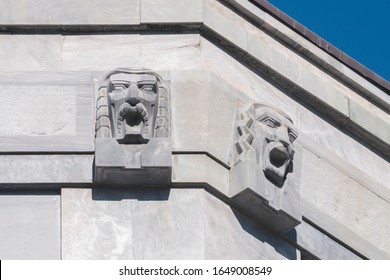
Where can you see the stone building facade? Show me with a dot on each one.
(192, 129)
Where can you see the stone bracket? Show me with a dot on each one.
(117, 165)
(278, 209)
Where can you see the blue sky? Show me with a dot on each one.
(361, 29)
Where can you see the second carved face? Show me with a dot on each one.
(273, 141)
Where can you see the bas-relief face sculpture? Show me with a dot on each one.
(270, 133)
(137, 105)
(274, 136)
(133, 98)
(262, 159)
(133, 145)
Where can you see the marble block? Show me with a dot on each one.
(30, 225)
(108, 51)
(225, 26)
(132, 223)
(168, 224)
(26, 52)
(96, 225)
(319, 244)
(24, 170)
(214, 103)
(46, 112)
(231, 235)
(171, 11)
(99, 12)
(343, 207)
(160, 223)
(200, 169)
(378, 125)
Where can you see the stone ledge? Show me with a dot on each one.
(30, 171)
(372, 184)
(320, 245)
(341, 232)
(343, 206)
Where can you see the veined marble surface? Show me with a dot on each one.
(30, 52)
(21, 115)
(154, 51)
(47, 111)
(158, 11)
(30, 225)
(99, 52)
(358, 209)
(148, 223)
(231, 235)
(69, 12)
(33, 169)
(321, 245)
(204, 109)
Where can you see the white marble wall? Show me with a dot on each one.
(344, 207)
(320, 245)
(46, 169)
(69, 12)
(147, 223)
(99, 52)
(30, 52)
(169, 11)
(30, 225)
(204, 109)
(47, 111)
(105, 52)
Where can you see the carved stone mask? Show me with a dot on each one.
(262, 179)
(133, 98)
(273, 141)
(137, 106)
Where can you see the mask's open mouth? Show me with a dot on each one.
(133, 124)
(278, 156)
(133, 115)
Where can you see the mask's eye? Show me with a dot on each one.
(118, 86)
(147, 86)
(292, 135)
(270, 122)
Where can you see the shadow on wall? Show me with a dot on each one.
(136, 193)
(263, 235)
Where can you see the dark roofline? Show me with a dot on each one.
(324, 45)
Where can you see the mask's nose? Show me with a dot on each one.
(282, 137)
(133, 95)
